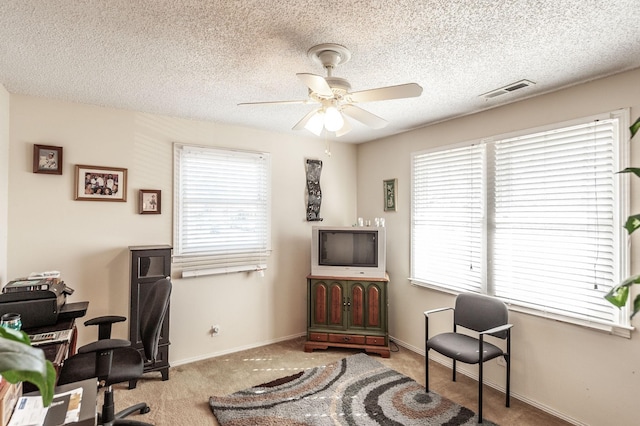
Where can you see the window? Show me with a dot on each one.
(534, 219)
(221, 210)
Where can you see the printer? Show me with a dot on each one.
(37, 301)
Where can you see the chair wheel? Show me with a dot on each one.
(145, 410)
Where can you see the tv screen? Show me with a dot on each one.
(348, 248)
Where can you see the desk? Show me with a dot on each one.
(59, 351)
(88, 405)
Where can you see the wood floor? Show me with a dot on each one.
(183, 399)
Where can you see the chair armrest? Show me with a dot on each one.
(103, 345)
(497, 329)
(433, 311)
(426, 319)
(104, 324)
(107, 319)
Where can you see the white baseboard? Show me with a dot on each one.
(236, 349)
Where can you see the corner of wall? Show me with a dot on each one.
(4, 179)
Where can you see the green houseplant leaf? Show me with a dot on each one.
(21, 362)
(619, 294)
(633, 223)
(635, 127)
(634, 170)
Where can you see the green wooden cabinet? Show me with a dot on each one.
(347, 312)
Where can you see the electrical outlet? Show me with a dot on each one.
(501, 361)
(215, 329)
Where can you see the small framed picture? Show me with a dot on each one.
(389, 188)
(96, 183)
(150, 201)
(47, 159)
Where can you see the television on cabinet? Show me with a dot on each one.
(348, 251)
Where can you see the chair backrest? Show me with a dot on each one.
(152, 313)
(479, 312)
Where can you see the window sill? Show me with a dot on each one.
(191, 273)
(609, 328)
(619, 330)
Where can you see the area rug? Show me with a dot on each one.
(357, 390)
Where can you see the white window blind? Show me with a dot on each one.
(221, 210)
(535, 220)
(447, 218)
(554, 241)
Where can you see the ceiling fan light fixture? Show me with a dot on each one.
(315, 123)
(337, 103)
(333, 120)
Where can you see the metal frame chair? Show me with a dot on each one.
(488, 316)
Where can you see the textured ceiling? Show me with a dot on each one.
(199, 59)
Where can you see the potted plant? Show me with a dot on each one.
(21, 362)
(619, 294)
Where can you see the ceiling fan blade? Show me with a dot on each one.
(317, 84)
(306, 101)
(409, 90)
(365, 117)
(346, 128)
(300, 124)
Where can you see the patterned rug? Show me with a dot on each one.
(357, 390)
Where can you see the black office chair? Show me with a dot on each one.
(485, 315)
(114, 360)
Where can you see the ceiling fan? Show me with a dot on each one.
(333, 96)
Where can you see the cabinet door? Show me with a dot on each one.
(375, 310)
(366, 306)
(327, 304)
(356, 306)
(147, 266)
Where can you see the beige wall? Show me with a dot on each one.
(87, 241)
(585, 375)
(4, 179)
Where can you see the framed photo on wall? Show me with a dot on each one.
(389, 188)
(47, 159)
(96, 183)
(150, 201)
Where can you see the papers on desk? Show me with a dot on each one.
(64, 409)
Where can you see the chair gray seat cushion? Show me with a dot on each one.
(462, 347)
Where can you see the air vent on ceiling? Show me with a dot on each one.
(508, 89)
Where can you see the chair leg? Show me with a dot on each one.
(480, 391)
(426, 353)
(426, 371)
(508, 359)
(141, 407)
(108, 412)
(454, 371)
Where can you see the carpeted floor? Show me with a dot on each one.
(184, 398)
(354, 391)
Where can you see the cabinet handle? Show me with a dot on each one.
(346, 339)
